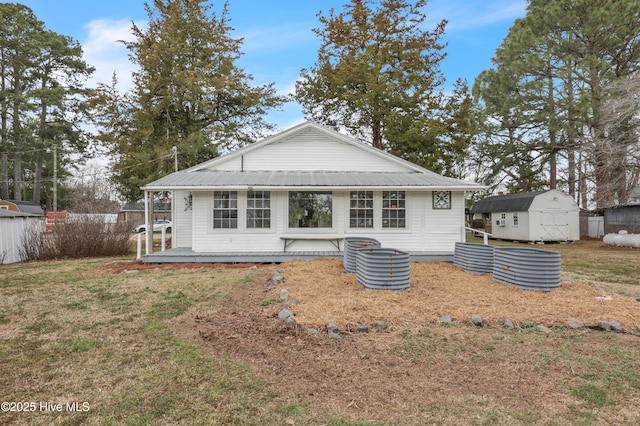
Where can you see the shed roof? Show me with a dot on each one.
(13, 213)
(517, 202)
(27, 207)
(299, 179)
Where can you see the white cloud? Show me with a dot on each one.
(469, 15)
(104, 51)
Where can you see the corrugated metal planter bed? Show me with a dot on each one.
(383, 269)
(351, 244)
(474, 257)
(526, 268)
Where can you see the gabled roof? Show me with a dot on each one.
(299, 129)
(405, 174)
(517, 202)
(26, 207)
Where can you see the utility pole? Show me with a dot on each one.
(55, 187)
(174, 150)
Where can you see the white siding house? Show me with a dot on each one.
(307, 188)
(530, 216)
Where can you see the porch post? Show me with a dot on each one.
(148, 215)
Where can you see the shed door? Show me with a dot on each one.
(554, 226)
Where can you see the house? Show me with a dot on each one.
(303, 191)
(530, 216)
(624, 217)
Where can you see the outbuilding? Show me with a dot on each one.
(537, 216)
(13, 226)
(301, 192)
(624, 217)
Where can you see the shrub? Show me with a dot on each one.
(85, 236)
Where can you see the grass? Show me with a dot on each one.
(69, 333)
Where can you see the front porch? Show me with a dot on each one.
(186, 255)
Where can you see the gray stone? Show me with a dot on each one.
(574, 323)
(476, 320)
(332, 326)
(445, 319)
(381, 325)
(543, 329)
(276, 279)
(284, 294)
(284, 314)
(611, 326)
(290, 322)
(312, 331)
(335, 335)
(507, 323)
(362, 328)
(291, 302)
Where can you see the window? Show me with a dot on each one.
(225, 209)
(310, 210)
(361, 209)
(258, 209)
(515, 219)
(393, 209)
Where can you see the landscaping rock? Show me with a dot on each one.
(335, 335)
(284, 295)
(574, 323)
(312, 331)
(362, 328)
(290, 323)
(611, 326)
(445, 319)
(284, 314)
(543, 329)
(507, 323)
(332, 326)
(276, 279)
(476, 320)
(382, 325)
(130, 271)
(291, 302)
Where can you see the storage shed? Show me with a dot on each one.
(530, 216)
(13, 225)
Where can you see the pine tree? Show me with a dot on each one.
(377, 74)
(188, 93)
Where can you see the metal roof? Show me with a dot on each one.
(518, 202)
(194, 180)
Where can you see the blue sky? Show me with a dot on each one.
(278, 37)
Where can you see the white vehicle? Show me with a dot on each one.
(157, 226)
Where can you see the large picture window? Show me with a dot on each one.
(258, 209)
(310, 210)
(393, 209)
(361, 209)
(225, 209)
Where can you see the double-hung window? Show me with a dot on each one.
(361, 209)
(225, 209)
(258, 209)
(393, 209)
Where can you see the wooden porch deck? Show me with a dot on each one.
(186, 255)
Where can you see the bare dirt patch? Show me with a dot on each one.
(416, 371)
